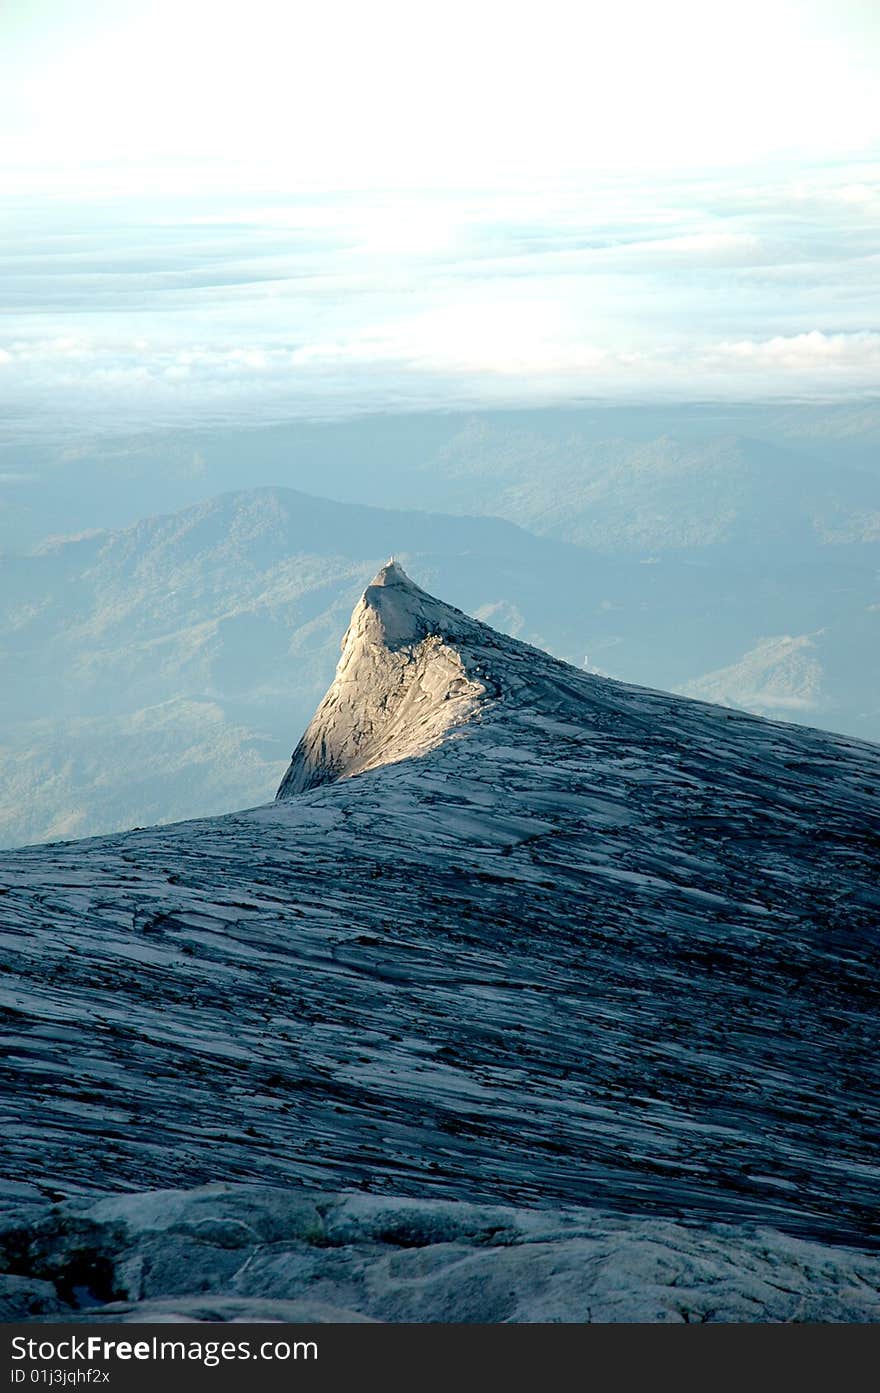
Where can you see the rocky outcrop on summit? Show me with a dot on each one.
(402, 684)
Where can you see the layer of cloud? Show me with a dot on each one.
(180, 309)
(810, 358)
(456, 357)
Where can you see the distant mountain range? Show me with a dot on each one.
(654, 497)
(684, 476)
(157, 671)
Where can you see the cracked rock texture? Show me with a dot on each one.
(564, 944)
(246, 1253)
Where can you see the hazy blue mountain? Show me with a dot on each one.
(157, 671)
(662, 495)
(626, 463)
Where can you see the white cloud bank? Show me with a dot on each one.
(430, 361)
(149, 311)
(812, 352)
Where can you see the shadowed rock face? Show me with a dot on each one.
(581, 944)
(401, 685)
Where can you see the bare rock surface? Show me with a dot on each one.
(246, 1253)
(562, 943)
(400, 687)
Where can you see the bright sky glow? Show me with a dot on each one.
(396, 91)
(276, 204)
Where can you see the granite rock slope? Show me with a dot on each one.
(561, 943)
(400, 687)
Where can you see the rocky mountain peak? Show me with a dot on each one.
(401, 684)
(392, 573)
